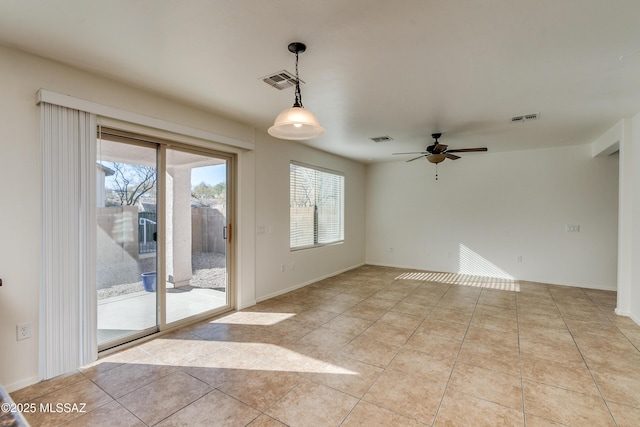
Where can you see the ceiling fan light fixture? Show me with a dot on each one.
(296, 123)
(436, 158)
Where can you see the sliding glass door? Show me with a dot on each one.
(126, 240)
(163, 236)
(196, 234)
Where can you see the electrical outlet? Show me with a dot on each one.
(23, 331)
(282, 268)
(293, 265)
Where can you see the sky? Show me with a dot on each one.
(211, 175)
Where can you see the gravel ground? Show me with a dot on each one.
(208, 269)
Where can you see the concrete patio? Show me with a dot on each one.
(126, 314)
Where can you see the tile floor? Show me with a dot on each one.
(369, 348)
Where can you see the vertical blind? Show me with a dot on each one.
(68, 294)
(316, 206)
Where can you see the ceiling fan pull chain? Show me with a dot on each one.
(436, 171)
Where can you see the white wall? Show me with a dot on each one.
(272, 215)
(633, 187)
(487, 209)
(627, 135)
(499, 205)
(259, 256)
(20, 189)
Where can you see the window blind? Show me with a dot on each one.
(68, 303)
(316, 206)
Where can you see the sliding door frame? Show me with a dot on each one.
(161, 146)
(230, 257)
(146, 143)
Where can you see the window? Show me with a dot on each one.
(316, 206)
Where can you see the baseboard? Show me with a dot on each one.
(302, 285)
(243, 306)
(595, 288)
(20, 384)
(621, 312)
(409, 267)
(625, 313)
(396, 266)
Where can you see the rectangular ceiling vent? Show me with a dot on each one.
(378, 139)
(525, 118)
(281, 80)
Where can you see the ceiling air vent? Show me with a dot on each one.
(281, 80)
(525, 118)
(378, 139)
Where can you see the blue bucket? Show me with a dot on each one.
(149, 281)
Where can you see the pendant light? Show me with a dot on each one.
(296, 123)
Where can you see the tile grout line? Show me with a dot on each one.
(85, 377)
(455, 360)
(524, 405)
(614, 324)
(343, 347)
(387, 283)
(423, 320)
(332, 354)
(361, 399)
(584, 360)
(385, 368)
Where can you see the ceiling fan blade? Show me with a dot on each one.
(467, 150)
(416, 158)
(452, 156)
(439, 148)
(412, 152)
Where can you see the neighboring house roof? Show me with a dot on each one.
(148, 207)
(107, 171)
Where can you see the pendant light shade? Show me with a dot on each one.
(296, 123)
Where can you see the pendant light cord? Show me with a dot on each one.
(298, 100)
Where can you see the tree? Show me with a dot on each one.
(303, 183)
(202, 191)
(220, 190)
(206, 191)
(130, 182)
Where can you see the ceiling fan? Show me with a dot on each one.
(437, 153)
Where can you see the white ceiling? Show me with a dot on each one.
(400, 68)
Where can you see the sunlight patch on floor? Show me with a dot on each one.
(463, 280)
(254, 318)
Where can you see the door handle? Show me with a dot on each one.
(226, 232)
